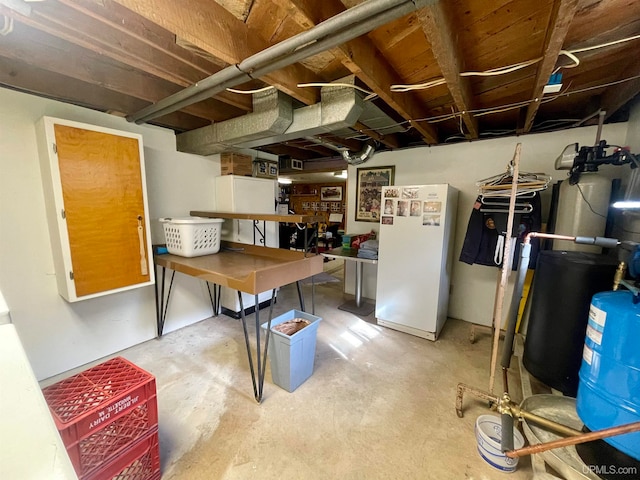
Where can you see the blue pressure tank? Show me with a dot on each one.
(609, 387)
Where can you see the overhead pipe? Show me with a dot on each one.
(367, 16)
(339, 22)
(328, 42)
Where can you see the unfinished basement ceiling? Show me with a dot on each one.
(121, 56)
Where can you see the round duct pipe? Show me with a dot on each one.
(351, 158)
(358, 158)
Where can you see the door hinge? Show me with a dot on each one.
(63, 214)
(70, 275)
(55, 149)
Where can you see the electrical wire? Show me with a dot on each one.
(602, 45)
(7, 25)
(369, 93)
(501, 70)
(250, 92)
(512, 68)
(567, 53)
(587, 202)
(417, 86)
(497, 109)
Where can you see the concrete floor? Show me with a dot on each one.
(380, 403)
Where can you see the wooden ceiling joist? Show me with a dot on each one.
(390, 140)
(210, 27)
(560, 19)
(82, 27)
(364, 60)
(350, 143)
(437, 25)
(290, 151)
(160, 42)
(18, 74)
(40, 49)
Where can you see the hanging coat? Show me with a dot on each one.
(486, 233)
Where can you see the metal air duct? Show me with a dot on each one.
(272, 115)
(339, 107)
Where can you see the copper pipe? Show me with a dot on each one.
(530, 235)
(545, 423)
(582, 438)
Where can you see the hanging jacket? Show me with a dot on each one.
(485, 238)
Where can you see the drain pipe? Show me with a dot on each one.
(324, 36)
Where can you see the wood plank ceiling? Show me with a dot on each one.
(120, 56)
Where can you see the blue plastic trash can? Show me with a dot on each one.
(292, 356)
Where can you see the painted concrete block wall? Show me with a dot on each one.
(59, 336)
(461, 165)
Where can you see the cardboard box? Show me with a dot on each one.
(232, 163)
(265, 169)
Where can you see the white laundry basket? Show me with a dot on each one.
(192, 236)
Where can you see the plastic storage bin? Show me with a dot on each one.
(292, 356)
(192, 236)
(102, 411)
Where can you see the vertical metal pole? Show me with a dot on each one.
(246, 341)
(258, 359)
(300, 295)
(158, 307)
(359, 267)
(267, 336)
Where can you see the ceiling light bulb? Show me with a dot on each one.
(285, 181)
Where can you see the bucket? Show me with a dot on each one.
(609, 388)
(488, 435)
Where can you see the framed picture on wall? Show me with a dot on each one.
(369, 185)
(331, 194)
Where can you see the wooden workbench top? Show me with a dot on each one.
(248, 268)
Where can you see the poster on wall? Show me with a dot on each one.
(369, 191)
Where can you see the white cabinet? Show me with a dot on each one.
(239, 194)
(96, 202)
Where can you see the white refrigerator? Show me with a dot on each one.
(417, 227)
(240, 194)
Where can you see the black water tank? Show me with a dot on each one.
(563, 285)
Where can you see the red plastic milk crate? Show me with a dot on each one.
(140, 461)
(100, 412)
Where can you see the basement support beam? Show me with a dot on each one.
(560, 19)
(438, 27)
